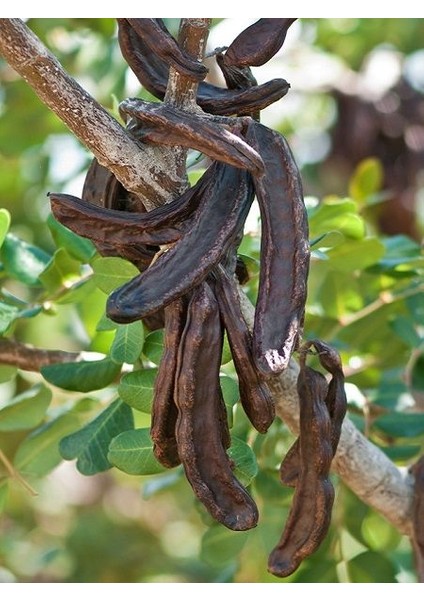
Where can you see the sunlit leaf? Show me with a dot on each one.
(61, 272)
(4, 224)
(336, 216)
(111, 272)
(83, 376)
(355, 255)
(132, 452)
(366, 180)
(90, 445)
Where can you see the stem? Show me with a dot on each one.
(14, 474)
(32, 359)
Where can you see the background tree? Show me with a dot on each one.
(365, 297)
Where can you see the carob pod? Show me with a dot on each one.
(217, 222)
(164, 409)
(285, 253)
(291, 464)
(153, 74)
(171, 126)
(255, 396)
(113, 227)
(155, 34)
(258, 43)
(335, 400)
(310, 514)
(162, 225)
(198, 431)
(417, 470)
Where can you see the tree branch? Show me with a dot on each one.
(149, 172)
(28, 358)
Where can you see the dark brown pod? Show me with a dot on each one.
(154, 33)
(335, 400)
(258, 43)
(255, 396)
(310, 514)
(153, 74)
(336, 397)
(216, 224)
(285, 252)
(291, 464)
(164, 409)
(167, 125)
(198, 431)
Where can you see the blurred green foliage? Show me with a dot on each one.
(132, 521)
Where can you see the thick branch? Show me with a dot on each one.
(365, 469)
(147, 171)
(32, 359)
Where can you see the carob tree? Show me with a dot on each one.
(186, 252)
(190, 278)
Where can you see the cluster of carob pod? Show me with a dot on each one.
(191, 287)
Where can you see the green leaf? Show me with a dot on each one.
(4, 488)
(401, 453)
(90, 445)
(61, 272)
(402, 253)
(371, 567)
(132, 452)
(111, 272)
(417, 374)
(26, 410)
(355, 255)
(127, 343)
(8, 314)
(39, 453)
(397, 424)
(4, 224)
(336, 216)
(366, 180)
(23, 261)
(221, 546)
(80, 248)
(161, 482)
(136, 389)
(83, 376)
(153, 346)
(405, 330)
(106, 324)
(246, 467)
(7, 372)
(231, 394)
